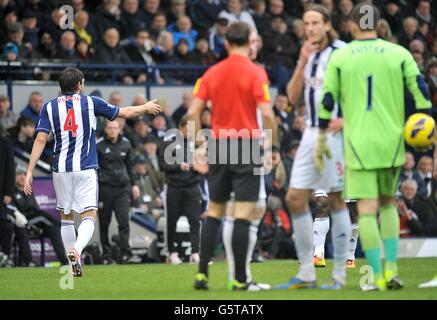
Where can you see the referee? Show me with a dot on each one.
(237, 89)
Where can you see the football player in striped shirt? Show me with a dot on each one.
(72, 118)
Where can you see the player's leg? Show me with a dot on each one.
(228, 228)
(340, 231)
(353, 212)
(321, 227)
(390, 225)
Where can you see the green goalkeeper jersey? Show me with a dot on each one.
(367, 79)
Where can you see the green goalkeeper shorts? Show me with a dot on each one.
(370, 184)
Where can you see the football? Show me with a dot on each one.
(420, 131)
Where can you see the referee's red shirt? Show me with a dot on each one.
(235, 87)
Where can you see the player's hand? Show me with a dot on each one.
(7, 200)
(335, 125)
(28, 184)
(306, 50)
(135, 192)
(152, 107)
(321, 150)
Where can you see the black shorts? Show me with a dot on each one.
(238, 174)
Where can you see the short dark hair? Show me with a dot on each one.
(357, 14)
(24, 121)
(238, 34)
(68, 80)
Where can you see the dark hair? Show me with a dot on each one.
(68, 80)
(358, 13)
(24, 122)
(139, 30)
(238, 34)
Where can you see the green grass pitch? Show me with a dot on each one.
(160, 281)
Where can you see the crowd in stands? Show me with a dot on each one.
(155, 32)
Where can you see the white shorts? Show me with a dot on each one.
(76, 191)
(304, 174)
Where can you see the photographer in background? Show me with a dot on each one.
(117, 182)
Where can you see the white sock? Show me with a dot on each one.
(321, 229)
(228, 229)
(303, 232)
(253, 237)
(84, 234)
(68, 234)
(353, 242)
(341, 233)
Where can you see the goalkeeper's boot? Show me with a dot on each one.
(319, 262)
(201, 282)
(393, 281)
(296, 283)
(75, 263)
(332, 284)
(249, 286)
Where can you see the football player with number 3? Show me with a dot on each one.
(72, 120)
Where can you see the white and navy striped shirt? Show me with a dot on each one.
(313, 75)
(72, 119)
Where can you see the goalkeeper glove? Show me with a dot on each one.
(321, 149)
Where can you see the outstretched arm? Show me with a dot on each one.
(150, 107)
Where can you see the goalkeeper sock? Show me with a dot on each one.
(390, 237)
(321, 229)
(68, 234)
(208, 239)
(84, 234)
(341, 233)
(370, 241)
(228, 228)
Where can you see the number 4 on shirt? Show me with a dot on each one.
(70, 123)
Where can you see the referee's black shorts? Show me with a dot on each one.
(234, 167)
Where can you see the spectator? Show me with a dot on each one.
(31, 30)
(344, 9)
(108, 16)
(183, 194)
(234, 13)
(23, 138)
(46, 48)
(409, 32)
(178, 9)
(431, 227)
(28, 206)
(205, 118)
(329, 5)
(202, 54)
(67, 47)
(217, 37)
(298, 30)
(409, 172)
(117, 182)
(183, 56)
(204, 13)
(425, 168)
(131, 18)
(414, 212)
(159, 24)
(110, 52)
(423, 12)
(83, 52)
(163, 52)
(83, 28)
(78, 5)
(7, 177)
(183, 30)
(280, 51)
(16, 35)
(393, 15)
(288, 159)
(159, 126)
(142, 130)
(182, 109)
(276, 8)
(33, 107)
(40, 9)
(259, 16)
(282, 109)
(151, 7)
(139, 52)
(53, 25)
(8, 118)
(431, 78)
(384, 30)
(417, 48)
(298, 127)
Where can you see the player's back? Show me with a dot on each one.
(371, 77)
(231, 88)
(72, 120)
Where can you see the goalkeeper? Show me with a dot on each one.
(367, 78)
